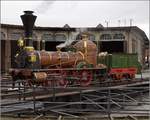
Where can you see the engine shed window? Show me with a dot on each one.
(47, 37)
(119, 36)
(2, 36)
(51, 41)
(92, 37)
(16, 36)
(105, 36)
(60, 37)
(3, 58)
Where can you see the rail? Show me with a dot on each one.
(74, 100)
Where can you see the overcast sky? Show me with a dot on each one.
(79, 13)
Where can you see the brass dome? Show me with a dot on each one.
(91, 46)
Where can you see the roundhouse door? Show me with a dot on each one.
(2, 56)
(2, 42)
(14, 48)
(13, 53)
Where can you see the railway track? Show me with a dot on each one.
(24, 92)
(104, 98)
(17, 102)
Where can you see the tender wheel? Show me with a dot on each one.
(85, 76)
(132, 76)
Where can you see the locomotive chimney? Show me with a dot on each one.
(28, 20)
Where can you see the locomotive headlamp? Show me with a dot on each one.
(20, 43)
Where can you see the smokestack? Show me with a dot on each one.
(28, 20)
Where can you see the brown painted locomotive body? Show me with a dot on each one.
(58, 59)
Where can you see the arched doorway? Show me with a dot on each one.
(14, 48)
(51, 41)
(112, 43)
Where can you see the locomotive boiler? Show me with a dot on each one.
(85, 50)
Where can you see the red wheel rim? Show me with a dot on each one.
(85, 78)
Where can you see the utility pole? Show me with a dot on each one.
(119, 23)
(124, 22)
(131, 20)
(106, 23)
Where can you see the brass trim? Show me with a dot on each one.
(81, 55)
(68, 57)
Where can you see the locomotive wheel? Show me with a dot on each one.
(63, 81)
(85, 78)
(113, 76)
(125, 76)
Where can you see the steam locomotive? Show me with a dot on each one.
(78, 67)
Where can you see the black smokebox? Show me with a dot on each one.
(28, 20)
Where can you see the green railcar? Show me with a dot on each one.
(119, 60)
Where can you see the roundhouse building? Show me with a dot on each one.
(129, 39)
